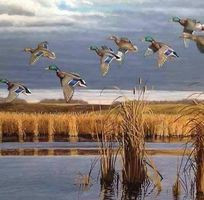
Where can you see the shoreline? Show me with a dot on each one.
(106, 96)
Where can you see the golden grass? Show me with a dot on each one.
(195, 161)
(73, 124)
(138, 171)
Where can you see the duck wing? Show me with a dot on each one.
(35, 57)
(190, 26)
(200, 47)
(68, 83)
(76, 75)
(164, 53)
(124, 39)
(43, 45)
(105, 63)
(121, 53)
(14, 92)
(185, 40)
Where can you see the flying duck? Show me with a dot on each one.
(190, 26)
(106, 55)
(198, 39)
(41, 51)
(68, 80)
(14, 89)
(165, 52)
(124, 45)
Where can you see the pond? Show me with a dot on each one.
(54, 177)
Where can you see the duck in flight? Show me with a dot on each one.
(68, 80)
(106, 55)
(15, 89)
(124, 45)
(41, 51)
(190, 26)
(198, 39)
(164, 51)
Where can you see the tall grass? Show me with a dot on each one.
(194, 165)
(108, 152)
(135, 170)
(74, 124)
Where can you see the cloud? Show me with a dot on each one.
(43, 12)
(93, 13)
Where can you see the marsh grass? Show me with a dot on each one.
(192, 168)
(136, 165)
(79, 124)
(176, 188)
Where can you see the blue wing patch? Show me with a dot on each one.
(73, 82)
(19, 90)
(168, 52)
(108, 59)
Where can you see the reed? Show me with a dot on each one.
(195, 161)
(108, 152)
(135, 177)
(75, 124)
(176, 189)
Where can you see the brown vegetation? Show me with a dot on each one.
(74, 124)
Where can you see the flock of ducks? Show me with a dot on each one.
(70, 80)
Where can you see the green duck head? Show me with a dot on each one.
(53, 67)
(148, 39)
(93, 48)
(175, 19)
(4, 81)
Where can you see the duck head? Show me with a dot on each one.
(4, 81)
(176, 19)
(53, 68)
(148, 39)
(93, 48)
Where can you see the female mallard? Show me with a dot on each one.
(106, 55)
(124, 45)
(199, 39)
(41, 50)
(164, 51)
(14, 90)
(68, 81)
(190, 25)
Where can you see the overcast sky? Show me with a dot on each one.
(56, 14)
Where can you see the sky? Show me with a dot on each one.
(71, 26)
(19, 15)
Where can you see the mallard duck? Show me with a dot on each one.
(41, 50)
(124, 45)
(69, 81)
(14, 89)
(199, 39)
(165, 52)
(190, 25)
(106, 55)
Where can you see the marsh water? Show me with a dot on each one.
(49, 171)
